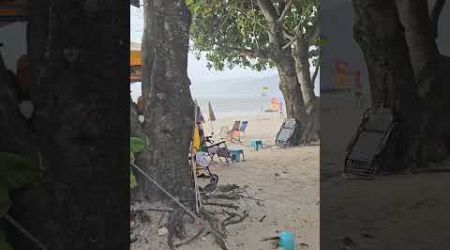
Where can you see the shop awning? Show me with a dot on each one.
(135, 62)
(12, 11)
(135, 54)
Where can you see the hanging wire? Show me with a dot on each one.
(202, 222)
(24, 231)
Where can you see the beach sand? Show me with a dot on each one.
(389, 212)
(286, 181)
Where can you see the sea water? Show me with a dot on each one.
(234, 106)
(227, 100)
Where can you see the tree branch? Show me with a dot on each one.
(313, 32)
(268, 10)
(280, 7)
(316, 73)
(286, 9)
(435, 13)
(288, 35)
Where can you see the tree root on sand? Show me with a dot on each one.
(196, 236)
(235, 207)
(216, 215)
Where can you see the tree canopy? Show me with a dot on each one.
(236, 33)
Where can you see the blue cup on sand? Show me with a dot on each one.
(286, 240)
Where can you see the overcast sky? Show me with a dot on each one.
(197, 69)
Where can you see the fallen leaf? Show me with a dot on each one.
(163, 231)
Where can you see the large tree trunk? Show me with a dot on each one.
(382, 40)
(400, 59)
(289, 83)
(295, 107)
(80, 86)
(169, 108)
(148, 47)
(426, 64)
(301, 56)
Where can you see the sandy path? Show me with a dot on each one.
(286, 180)
(390, 212)
(290, 199)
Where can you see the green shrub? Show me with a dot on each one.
(16, 172)
(137, 145)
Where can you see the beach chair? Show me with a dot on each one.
(236, 125)
(288, 133)
(202, 159)
(203, 162)
(243, 127)
(365, 151)
(218, 149)
(234, 135)
(224, 131)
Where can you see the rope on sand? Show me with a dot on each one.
(24, 231)
(202, 222)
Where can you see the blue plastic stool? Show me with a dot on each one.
(236, 155)
(256, 144)
(287, 240)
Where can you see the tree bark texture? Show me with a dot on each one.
(301, 56)
(79, 55)
(402, 60)
(148, 48)
(431, 84)
(285, 64)
(169, 108)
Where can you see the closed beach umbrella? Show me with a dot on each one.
(199, 119)
(212, 117)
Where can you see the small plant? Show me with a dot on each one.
(16, 172)
(137, 145)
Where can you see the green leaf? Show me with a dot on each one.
(132, 158)
(4, 245)
(133, 182)
(220, 29)
(304, 245)
(17, 171)
(5, 202)
(137, 145)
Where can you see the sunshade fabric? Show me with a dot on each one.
(199, 119)
(196, 139)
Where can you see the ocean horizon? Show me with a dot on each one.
(231, 97)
